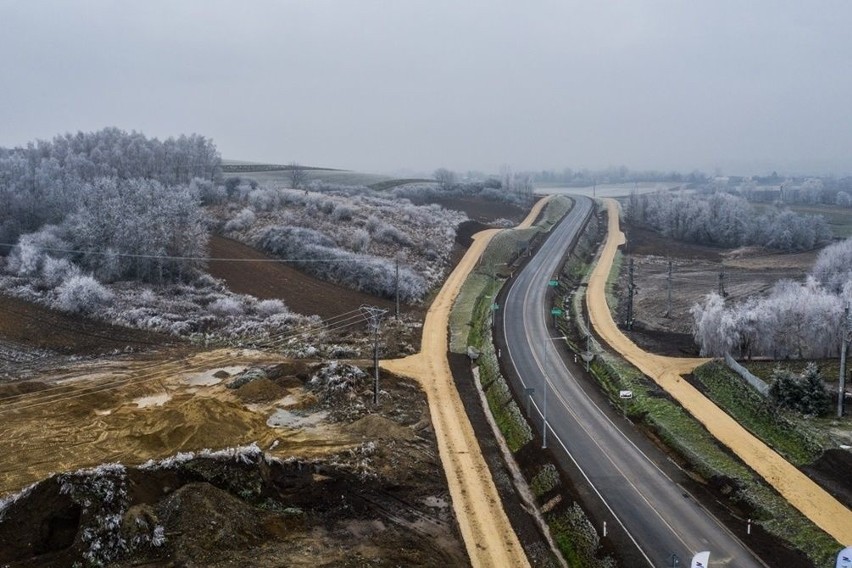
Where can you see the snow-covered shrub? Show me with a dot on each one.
(391, 235)
(33, 249)
(337, 378)
(267, 308)
(359, 240)
(56, 271)
(227, 307)
(242, 221)
(82, 294)
(341, 212)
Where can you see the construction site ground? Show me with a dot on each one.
(77, 393)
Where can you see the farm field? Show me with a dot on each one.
(695, 273)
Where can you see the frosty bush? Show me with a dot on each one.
(242, 221)
(82, 294)
(359, 240)
(28, 257)
(227, 307)
(56, 271)
(341, 212)
(267, 308)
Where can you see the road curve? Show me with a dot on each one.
(654, 512)
(802, 492)
(488, 535)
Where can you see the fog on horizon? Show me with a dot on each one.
(730, 87)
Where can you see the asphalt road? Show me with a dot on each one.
(650, 511)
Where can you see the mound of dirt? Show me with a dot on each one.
(373, 427)
(260, 390)
(205, 519)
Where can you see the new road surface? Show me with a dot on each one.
(647, 508)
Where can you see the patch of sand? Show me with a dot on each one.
(803, 493)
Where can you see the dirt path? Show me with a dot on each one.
(487, 532)
(808, 497)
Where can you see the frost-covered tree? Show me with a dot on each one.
(725, 220)
(445, 177)
(833, 267)
(43, 182)
(82, 294)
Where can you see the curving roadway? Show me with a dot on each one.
(646, 509)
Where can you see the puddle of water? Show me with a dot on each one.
(285, 419)
(152, 400)
(206, 379)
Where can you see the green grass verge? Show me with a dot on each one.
(689, 439)
(576, 538)
(793, 438)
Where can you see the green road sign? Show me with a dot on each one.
(555, 312)
(553, 283)
(495, 307)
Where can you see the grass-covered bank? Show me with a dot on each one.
(470, 325)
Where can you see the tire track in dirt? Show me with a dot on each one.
(487, 532)
(802, 492)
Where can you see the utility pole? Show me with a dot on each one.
(374, 316)
(669, 292)
(722, 285)
(397, 287)
(844, 342)
(631, 290)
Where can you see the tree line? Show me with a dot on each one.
(112, 200)
(725, 220)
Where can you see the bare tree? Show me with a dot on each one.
(445, 177)
(298, 175)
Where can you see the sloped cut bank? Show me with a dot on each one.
(235, 507)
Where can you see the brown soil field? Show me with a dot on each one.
(35, 327)
(301, 293)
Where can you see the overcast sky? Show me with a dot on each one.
(745, 87)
